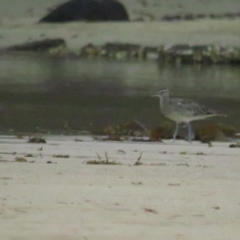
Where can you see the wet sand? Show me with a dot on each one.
(181, 190)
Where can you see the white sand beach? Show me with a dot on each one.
(181, 190)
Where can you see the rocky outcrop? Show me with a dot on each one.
(46, 45)
(175, 54)
(87, 10)
(191, 17)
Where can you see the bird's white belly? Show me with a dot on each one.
(174, 116)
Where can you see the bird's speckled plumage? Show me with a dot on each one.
(189, 108)
(183, 110)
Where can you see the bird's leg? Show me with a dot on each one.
(189, 132)
(176, 132)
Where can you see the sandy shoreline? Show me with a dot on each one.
(173, 195)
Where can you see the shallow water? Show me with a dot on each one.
(54, 94)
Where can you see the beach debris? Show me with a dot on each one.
(163, 152)
(138, 162)
(163, 131)
(78, 140)
(19, 136)
(214, 132)
(217, 208)
(33, 139)
(183, 153)
(61, 156)
(133, 128)
(112, 138)
(182, 164)
(174, 184)
(235, 145)
(150, 210)
(20, 159)
(28, 155)
(204, 166)
(137, 183)
(190, 17)
(102, 162)
(141, 139)
(200, 153)
(121, 152)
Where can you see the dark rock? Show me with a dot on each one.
(201, 48)
(170, 18)
(121, 50)
(36, 140)
(178, 48)
(150, 53)
(215, 16)
(176, 53)
(200, 15)
(188, 17)
(90, 51)
(39, 46)
(87, 10)
(61, 156)
(230, 15)
(113, 49)
(236, 145)
(234, 60)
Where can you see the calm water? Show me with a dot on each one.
(42, 93)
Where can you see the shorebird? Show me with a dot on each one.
(182, 111)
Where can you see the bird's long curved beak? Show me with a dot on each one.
(149, 96)
(154, 95)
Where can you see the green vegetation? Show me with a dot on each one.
(101, 161)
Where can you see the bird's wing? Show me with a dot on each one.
(189, 107)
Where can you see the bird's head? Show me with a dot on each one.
(162, 93)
